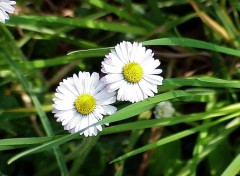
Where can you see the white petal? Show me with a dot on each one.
(114, 86)
(115, 59)
(98, 88)
(153, 71)
(110, 78)
(67, 84)
(153, 79)
(77, 82)
(98, 115)
(67, 120)
(5, 9)
(109, 109)
(63, 106)
(72, 123)
(119, 51)
(148, 85)
(94, 80)
(145, 88)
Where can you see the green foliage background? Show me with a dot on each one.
(197, 42)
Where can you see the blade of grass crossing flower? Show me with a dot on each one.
(192, 43)
(127, 112)
(175, 137)
(142, 106)
(66, 138)
(130, 126)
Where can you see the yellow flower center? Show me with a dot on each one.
(85, 104)
(132, 72)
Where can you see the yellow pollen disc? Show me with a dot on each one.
(132, 72)
(85, 104)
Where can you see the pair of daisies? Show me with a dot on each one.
(82, 100)
(131, 74)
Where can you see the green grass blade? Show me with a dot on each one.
(78, 55)
(213, 143)
(233, 169)
(199, 82)
(139, 107)
(171, 121)
(45, 146)
(110, 8)
(174, 137)
(39, 22)
(26, 141)
(86, 146)
(192, 43)
(41, 113)
(43, 63)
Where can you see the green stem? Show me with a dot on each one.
(43, 117)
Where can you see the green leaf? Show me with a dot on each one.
(171, 121)
(186, 42)
(174, 137)
(142, 106)
(213, 143)
(199, 82)
(43, 117)
(45, 146)
(233, 169)
(36, 23)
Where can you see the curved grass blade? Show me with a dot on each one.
(213, 143)
(233, 169)
(186, 42)
(43, 117)
(37, 64)
(142, 106)
(39, 22)
(171, 121)
(199, 82)
(174, 137)
(45, 146)
(76, 55)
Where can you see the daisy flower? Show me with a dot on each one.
(81, 101)
(164, 109)
(6, 7)
(132, 71)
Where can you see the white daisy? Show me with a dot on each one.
(131, 70)
(81, 101)
(6, 7)
(164, 109)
